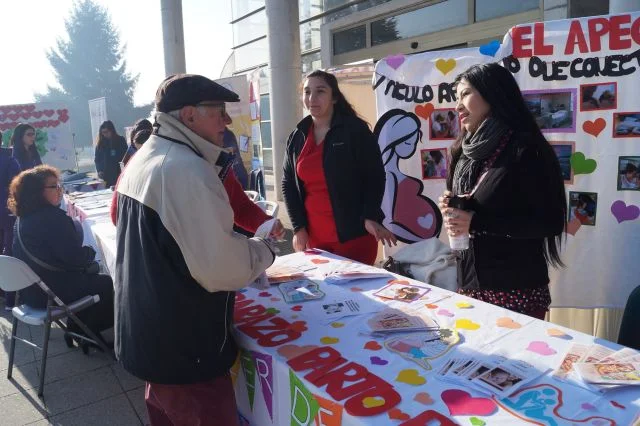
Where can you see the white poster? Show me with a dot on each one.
(54, 140)
(580, 79)
(98, 113)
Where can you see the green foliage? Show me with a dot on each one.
(90, 64)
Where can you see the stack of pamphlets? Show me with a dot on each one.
(394, 321)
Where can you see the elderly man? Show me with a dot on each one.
(179, 261)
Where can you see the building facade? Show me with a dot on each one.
(339, 32)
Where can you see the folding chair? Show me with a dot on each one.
(253, 195)
(256, 183)
(269, 207)
(16, 275)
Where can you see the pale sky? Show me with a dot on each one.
(29, 27)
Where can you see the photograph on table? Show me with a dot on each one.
(564, 150)
(444, 124)
(583, 206)
(300, 291)
(402, 292)
(626, 125)
(435, 163)
(599, 96)
(499, 379)
(628, 173)
(554, 110)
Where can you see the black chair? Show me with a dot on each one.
(629, 333)
(256, 183)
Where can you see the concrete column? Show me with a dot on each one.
(621, 6)
(285, 70)
(173, 37)
(555, 9)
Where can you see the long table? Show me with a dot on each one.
(296, 368)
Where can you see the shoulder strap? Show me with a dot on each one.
(32, 257)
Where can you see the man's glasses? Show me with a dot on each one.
(222, 107)
(56, 186)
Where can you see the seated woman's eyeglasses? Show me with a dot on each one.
(56, 186)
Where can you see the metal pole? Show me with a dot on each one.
(173, 37)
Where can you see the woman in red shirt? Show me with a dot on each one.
(333, 180)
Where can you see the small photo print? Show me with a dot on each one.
(402, 292)
(499, 379)
(628, 173)
(444, 124)
(435, 163)
(554, 109)
(563, 151)
(333, 308)
(583, 206)
(597, 97)
(300, 291)
(626, 125)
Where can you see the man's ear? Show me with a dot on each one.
(187, 114)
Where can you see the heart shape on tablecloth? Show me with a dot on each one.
(445, 313)
(424, 110)
(541, 348)
(329, 340)
(554, 332)
(272, 311)
(394, 61)
(371, 402)
(410, 376)
(299, 326)
(461, 403)
(430, 306)
(296, 308)
(445, 65)
(464, 305)
(292, 351)
(264, 294)
(396, 414)
(477, 422)
(623, 212)
(594, 127)
(587, 406)
(372, 345)
(376, 360)
(337, 324)
(467, 324)
(319, 261)
(423, 398)
(275, 299)
(506, 322)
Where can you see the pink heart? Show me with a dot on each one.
(621, 211)
(445, 313)
(541, 348)
(394, 61)
(588, 406)
(461, 403)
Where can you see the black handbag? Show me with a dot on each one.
(396, 267)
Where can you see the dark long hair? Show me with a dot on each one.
(106, 125)
(26, 192)
(500, 90)
(21, 152)
(342, 106)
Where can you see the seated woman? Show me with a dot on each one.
(44, 232)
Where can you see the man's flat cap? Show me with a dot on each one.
(180, 90)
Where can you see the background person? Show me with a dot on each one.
(110, 149)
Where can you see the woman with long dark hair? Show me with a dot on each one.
(505, 188)
(23, 141)
(333, 180)
(110, 149)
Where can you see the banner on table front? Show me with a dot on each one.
(579, 78)
(264, 368)
(304, 406)
(53, 131)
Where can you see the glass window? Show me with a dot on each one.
(250, 28)
(489, 9)
(242, 7)
(265, 113)
(267, 159)
(264, 80)
(347, 40)
(265, 133)
(309, 8)
(348, 10)
(578, 9)
(311, 62)
(252, 54)
(310, 35)
(440, 16)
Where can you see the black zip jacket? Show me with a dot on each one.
(353, 170)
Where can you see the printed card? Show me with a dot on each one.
(403, 292)
(300, 291)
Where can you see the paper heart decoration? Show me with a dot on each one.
(587, 406)
(356, 289)
(337, 325)
(329, 340)
(30, 108)
(622, 212)
(396, 414)
(445, 65)
(594, 127)
(48, 112)
(581, 165)
(464, 305)
(13, 116)
(423, 398)
(25, 115)
(506, 322)
(292, 351)
(490, 48)
(477, 422)
(272, 311)
(296, 308)
(424, 110)
(312, 251)
(430, 306)
(410, 376)
(426, 221)
(264, 294)
(371, 402)
(375, 360)
(573, 226)
(299, 326)
(64, 118)
(372, 345)
(461, 403)
(37, 114)
(275, 299)
(394, 61)
(445, 313)
(554, 332)
(541, 348)
(319, 261)
(467, 324)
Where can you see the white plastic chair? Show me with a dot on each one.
(269, 207)
(253, 195)
(15, 275)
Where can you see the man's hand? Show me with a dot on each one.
(300, 240)
(277, 232)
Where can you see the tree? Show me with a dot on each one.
(89, 65)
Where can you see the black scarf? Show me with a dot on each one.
(476, 148)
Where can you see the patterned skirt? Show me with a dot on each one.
(526, 301)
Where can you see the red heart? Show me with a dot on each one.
(461, 403)
(37, 114)
(64, 118)
(30, 108)
(62, 111)
(48, 112)
(5, 109)
(264, 294)
(424, 110)
(319, 261)
(356, 289)
(396, 414)
(13, 116)
(299, 326)
(594, 127)
(430, 306)
(54, 123)
(296, 308)
(372, 345)
(25, 115)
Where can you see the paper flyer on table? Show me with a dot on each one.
(337, 307)
(609, 374)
